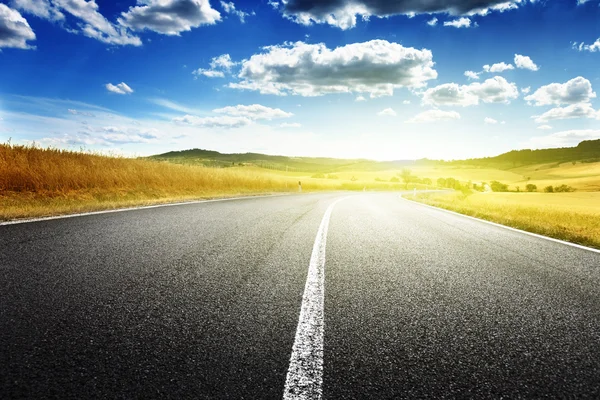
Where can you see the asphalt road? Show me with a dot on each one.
(203, 301)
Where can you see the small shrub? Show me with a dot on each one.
(549, 189)
(563, 189)
(498, 186)
(531, 187)
(318, 176)
(394, 179)
(332, 176)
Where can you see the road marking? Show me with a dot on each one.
(305, 374)
(25, 221)
(507, 227)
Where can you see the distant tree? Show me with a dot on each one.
(427, 181)
(518, 188)
(452, 183)
(353, 179)
(531, 187)
(549, 189)
(394, 179)
(441, 182)
(498, 186)
(406, 176)
(563, 188)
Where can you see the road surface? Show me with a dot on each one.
(204, 301)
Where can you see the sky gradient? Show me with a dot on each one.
(366, 78)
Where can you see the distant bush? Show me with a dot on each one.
(318, 176)
(531, 187)
(549, 189)
(394, 179)
(426, 181)
(332, 176)
(498, 186)
(563, 188)
(379, 180)
(441, 182)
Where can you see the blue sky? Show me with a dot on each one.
(378, 79)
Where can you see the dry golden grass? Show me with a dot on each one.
(568, 216)
(38, 182)
(41, 182)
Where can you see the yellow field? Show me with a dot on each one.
(42, 182)
(567, 216)
(582, 177)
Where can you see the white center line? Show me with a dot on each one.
(305, 374)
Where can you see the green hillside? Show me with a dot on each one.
(281, 163)
(586, 151)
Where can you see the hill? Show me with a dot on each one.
(587, 151)
(211, 158)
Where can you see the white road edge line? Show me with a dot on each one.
(506, 227)
(117, 210)
(305, 374)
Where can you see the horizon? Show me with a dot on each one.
(365, 159)
(334, 80)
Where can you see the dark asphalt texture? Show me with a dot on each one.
(202, 301)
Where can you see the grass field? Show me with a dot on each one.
(38, 182)
(568, 216)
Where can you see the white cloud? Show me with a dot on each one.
(254, 112)
(222, 62)
(498, 67)
(343, 13)
(218, 67)
(82, 113)
(209, 73)
(388, 112)
(360, 98)
(588, 47)
(405, 102)
(526, 90)
(490, 121)
(376, 67)
(229, 8)
(493, 90)
(89, 21)
(121, 88)
(544, 127)
(39, 8)
(581, 110)
(472, 75)
(524, 62)
(169, 17)
(94, 25)
(577, 90)
(433, 116)
(432, 22)
(463, 22)
(286, 125)
(223, 121)
(274, 4)
(563, 138)
(15, 31)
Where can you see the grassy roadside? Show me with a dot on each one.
(567, 216)
(37, 182)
